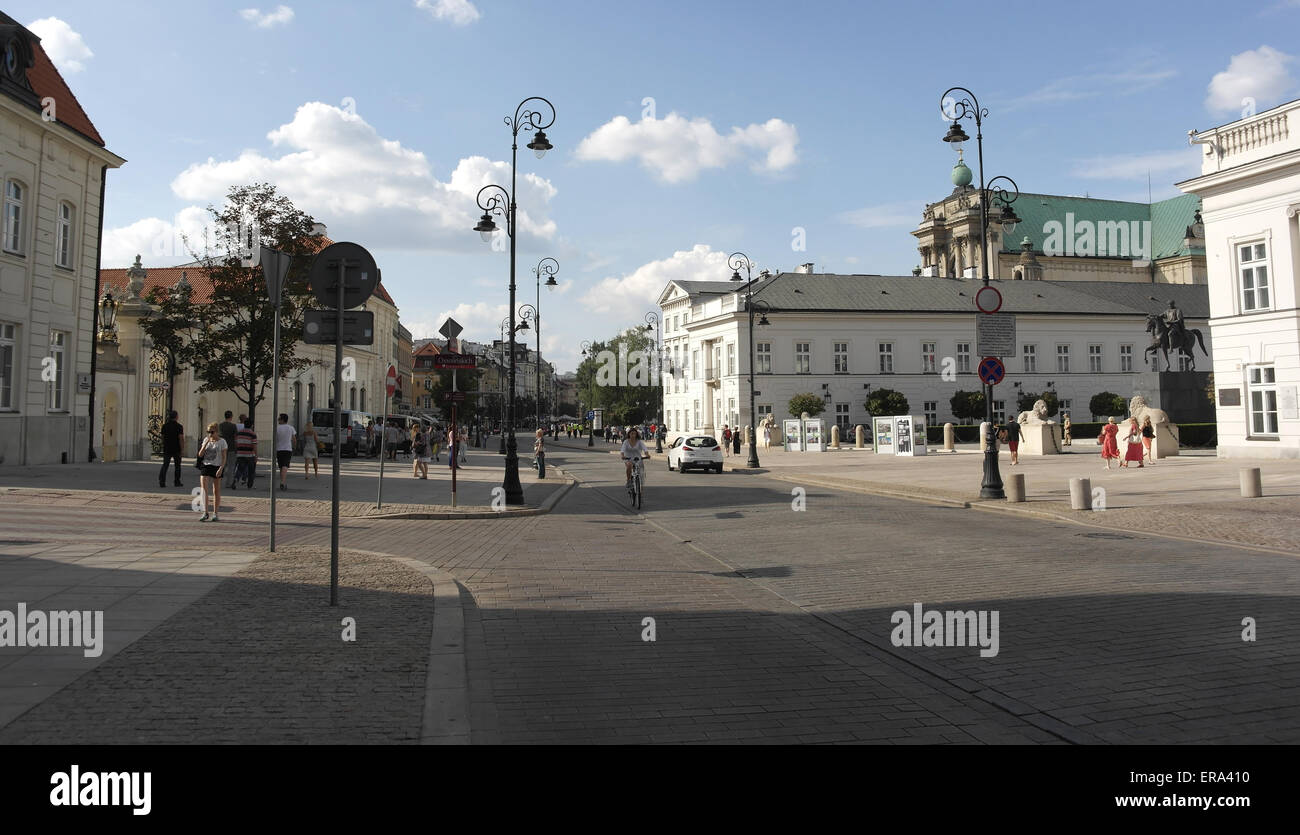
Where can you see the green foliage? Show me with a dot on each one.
(806, 402)
(228, 339)
(1025, 402)
(619, 376)
(886, 402)
(1108, 404)
(968, 405)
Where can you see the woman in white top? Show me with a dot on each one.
(633, 446)
(212, 452)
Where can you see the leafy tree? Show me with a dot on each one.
(1107, 404)
(228, 339)
(619, 376)
(806, 402)
(886, 402)
(968, 406)
(1025, 402)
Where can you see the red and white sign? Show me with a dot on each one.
(988, 300)
(390, 384)
(442, 361)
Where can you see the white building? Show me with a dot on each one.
(53, 166)
(1250, 192)
(840, 336)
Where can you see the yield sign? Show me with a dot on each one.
(390, 383)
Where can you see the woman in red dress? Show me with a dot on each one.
(1109, 448)
(1133, 440)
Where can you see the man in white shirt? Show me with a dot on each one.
(284, 438)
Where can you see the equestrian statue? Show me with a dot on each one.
(1168, 331)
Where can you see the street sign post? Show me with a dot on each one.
(390, 385)
(320, 327)
(275, 267)
(991, 371)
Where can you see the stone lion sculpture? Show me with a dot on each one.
(1036, 416)
(1138, 408)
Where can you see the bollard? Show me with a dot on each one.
(1080, 493)
(1252, 486)
(949, 438)
(835, 436)
(859, 433)
(1016, 487)
(984, 435)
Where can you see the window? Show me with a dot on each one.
(1030, 355)
(8, 333)
(696, 424)
(886, 357)
(352, 395)
(1184, 362)
(999, 411)
(842, 417)
(763, 358)
(13, 233)
(1126, 358)
(731, 410)
(1064, 406)
(803, 358)
(295, 395)
(928, 359)
(58, 348)
(311, 398)
(1253, 270)
(695, 366)
(1094, 359)
(762, 410)
(931, 409)
(841, 357)
(428, 399)
(1063, 359)
(1263, 400)
(63, 237)
(963, 357)
(731, 358)
(363, 395)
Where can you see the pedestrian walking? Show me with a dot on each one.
(461, 443)
(212, 458)
(245, 455)
(1132, 435)
(284, 438)
(228, 431)
(1066, 440)
(726, 439)
(735, 441)
(420, 454)
(1107, 440)
(1011, 434)
(311, 445)
(1148, 435)
(767, 433)
(539, 454)
(392, 438)
(173, 441)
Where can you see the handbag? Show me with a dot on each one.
(198, 462)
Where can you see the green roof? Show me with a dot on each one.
(1050, 216)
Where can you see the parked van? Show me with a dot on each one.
(354, 430)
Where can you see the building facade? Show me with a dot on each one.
(1250, 188)
(53, 168)
(842, 336)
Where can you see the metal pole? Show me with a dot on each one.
(275, 405)
(537, 366)
(992, 485)
(453, 448)
(383, 443)
(514, 490)
(753, 427)
(338, 441)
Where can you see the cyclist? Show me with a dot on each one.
(632, 446)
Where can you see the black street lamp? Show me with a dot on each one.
(503, 204)
(969, 107)
(737, 260)
(591, 424)
(546, 267)
(653, 323)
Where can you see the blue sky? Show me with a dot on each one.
(382, 119)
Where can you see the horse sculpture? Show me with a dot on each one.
(1163, 341)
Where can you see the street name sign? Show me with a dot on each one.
(461, 361)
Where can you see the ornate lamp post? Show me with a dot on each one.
(591, 424)
(968, 107)
(737, 260)
(508, 396)
(653, 323)
(499, 201)
(547, 267)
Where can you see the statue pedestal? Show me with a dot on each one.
(1181, 394)
(1165, 443)
(1040, 439)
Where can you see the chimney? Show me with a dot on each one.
(804, 268)
(318, 229)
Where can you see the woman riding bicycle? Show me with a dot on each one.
(632, 447)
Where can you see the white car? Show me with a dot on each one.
(695, 452)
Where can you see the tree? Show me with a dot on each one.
(227, 339)
(968, 406)
(1107, 404)
(887, 402)
(806, 402)
(620, 376)
(1025, 402)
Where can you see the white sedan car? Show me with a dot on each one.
(698, 452)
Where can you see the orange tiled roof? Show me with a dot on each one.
(46, 81)
(427, 349)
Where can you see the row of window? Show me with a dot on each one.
(15, 221)
(53, 368)
(681, 419)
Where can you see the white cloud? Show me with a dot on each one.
(281, 15)
(677, 148)
(335, 166)
(1074, 88)
(631, 296)
(158, 242)
(1137, 166)
(481, 322)
(64, 46)
(457, 12)
(1258, 74)
(885, 215)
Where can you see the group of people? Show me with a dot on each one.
(731, 439)
(1136, 439)
(227, 454)
(427, 444)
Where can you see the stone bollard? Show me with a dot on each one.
(835, 436)
(1080, 493)
(1252, 486)
(860, 436)
(949, 438)
(1015, 485)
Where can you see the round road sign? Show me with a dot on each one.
(390, 382)
(988, 299)
(360, 275)
(992, 371)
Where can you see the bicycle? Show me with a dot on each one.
(634, 486)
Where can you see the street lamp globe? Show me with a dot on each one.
(1009, 220)
(486, 228)
(551, 283)
(540, 144)
(956, 136)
